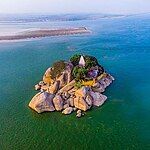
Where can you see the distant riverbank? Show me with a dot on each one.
(45, 33)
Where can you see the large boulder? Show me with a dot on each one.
(45, 88)
(58, 102)
(48, 71)
(89, 100)
(110, 77)
(68, 72)
(71, 101)
(67, 111)
(72, 91)
(47, 76)
(54, 87)
(98, 98)
(82, 92)
(99, 89)
(96, 85)
(67, 87)
(62, 79)
(42, 102)
(80, 103)
(65, 106)
(67, 95)
(105, 81)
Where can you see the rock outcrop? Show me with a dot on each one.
(37, 87)
(42, 102)
(67, 110)
(89, 100)
(80, 103)
(58, 102)
(47, 76)
(82, 99)
(98, 98)
(54, 87)
(62, 94)
(79, 114)
(82, 92)
(67, 87)
(62, 80)
(70, 101)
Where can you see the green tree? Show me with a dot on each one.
(75, 59)
(58, 68)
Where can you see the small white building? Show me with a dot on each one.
(82, 61)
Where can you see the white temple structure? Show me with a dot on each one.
(82, 61)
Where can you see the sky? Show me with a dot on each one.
(75, 6)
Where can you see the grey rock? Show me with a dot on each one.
(37, 87)
(88, 100)
(80, 103)
(79, 111)
(68, 72)
(74, 108)
(58, 102)
(78, 115)
(71, 101)
(42, 102)
(67, 95)
(101, 89)
(82, 92)
(65, 106)
(54, 87)
(47, 76)
(62, 80)
(67, 87)
(98, 98)
(41, 83)
(96, 85)
(67, 111)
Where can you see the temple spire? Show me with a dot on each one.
(82, 61)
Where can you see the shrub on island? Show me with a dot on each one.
(57, 68)
(79, 73)
(75, 59)
(90, 61)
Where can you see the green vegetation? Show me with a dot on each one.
(79, 73)
(75, 59)
(78, 84)
(58, 67)
(90, 61)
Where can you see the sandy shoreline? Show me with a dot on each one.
(45, 33)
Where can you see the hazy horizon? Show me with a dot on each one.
(65, 13)
(74, 7)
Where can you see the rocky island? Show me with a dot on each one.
(74, 85)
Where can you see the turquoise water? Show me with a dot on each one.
(122, 46)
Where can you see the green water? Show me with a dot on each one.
(122, 46)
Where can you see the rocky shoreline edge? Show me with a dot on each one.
(75, 85)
